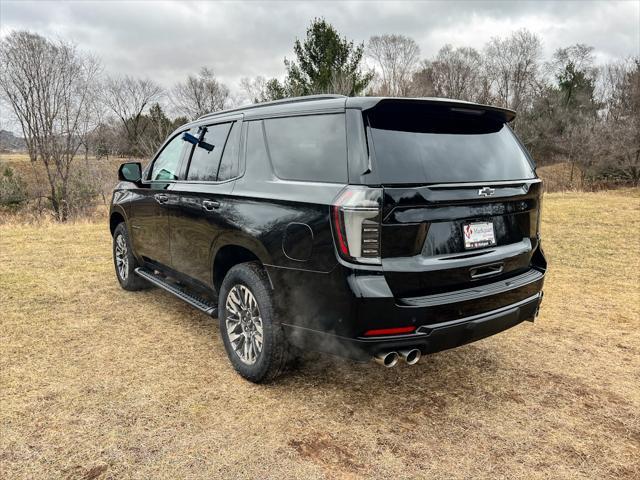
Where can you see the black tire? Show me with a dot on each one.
(126, 275)
(271, 361)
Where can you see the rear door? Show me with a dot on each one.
(461, 201)
(148, 213)
(201, 211)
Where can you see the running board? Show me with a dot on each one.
(200, 303)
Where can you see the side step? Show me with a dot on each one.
(200, 303)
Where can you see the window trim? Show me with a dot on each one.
(258, 114)
(317, 114)
(231, 119)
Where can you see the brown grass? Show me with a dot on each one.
(14, 157)
(101, 383)
(557, 177)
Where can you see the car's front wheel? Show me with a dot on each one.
(125, 262)
(255, 343)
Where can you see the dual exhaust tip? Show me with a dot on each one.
(390, 359)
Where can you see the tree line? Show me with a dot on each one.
(569, 108)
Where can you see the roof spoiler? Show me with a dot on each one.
(368, 103)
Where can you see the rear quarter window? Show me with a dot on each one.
(309, 148)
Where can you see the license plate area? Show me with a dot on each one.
(478, 235)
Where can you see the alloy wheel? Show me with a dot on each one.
(122, 259)
(244, 324)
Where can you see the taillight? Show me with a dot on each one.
(356, 216)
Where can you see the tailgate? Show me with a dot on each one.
(423, 246)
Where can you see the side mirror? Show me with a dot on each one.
(130, 172)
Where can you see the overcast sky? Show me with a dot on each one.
(168, 40)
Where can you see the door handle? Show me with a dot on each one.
(210, 205)
(161, 197)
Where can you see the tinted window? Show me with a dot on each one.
(166, 164)
(205, 161)
(437, 145)
(311, 148)
(256, 155)
(228, 166)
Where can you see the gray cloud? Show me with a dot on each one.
(167, 40)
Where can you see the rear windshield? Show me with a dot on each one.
(426, 144)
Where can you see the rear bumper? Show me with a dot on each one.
(335, 312)
(428, 338)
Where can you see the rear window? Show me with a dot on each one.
(426, 144)
(310, 148)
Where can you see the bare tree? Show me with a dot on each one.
(200, 94)
(129, 98)
(395, 58)
(614, 90)
(48, 86)
(620, 137)
(457, 73)
(512, 65)
(422, 81)
(157, 129)
(341, 83)
(578, 55)
(255, 89)
(94, 117)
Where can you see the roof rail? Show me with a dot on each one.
(307, 98)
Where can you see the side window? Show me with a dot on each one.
(256, 154)
(167, 163)
(311, 148)
(204, 162)
(229, 163)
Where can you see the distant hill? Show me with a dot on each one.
(9, 142)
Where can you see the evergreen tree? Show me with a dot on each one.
(325, 63)
(577, 89)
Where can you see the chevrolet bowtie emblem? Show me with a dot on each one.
(486, 191)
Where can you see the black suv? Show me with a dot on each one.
(365, 227)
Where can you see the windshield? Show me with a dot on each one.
(427, 144)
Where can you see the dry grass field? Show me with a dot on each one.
(96, 382)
